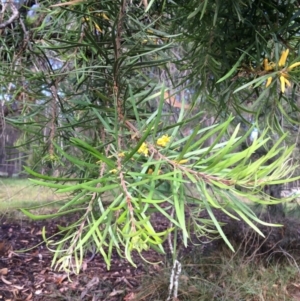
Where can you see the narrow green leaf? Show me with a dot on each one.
(233, 69)
(80, 143)
(48, 216)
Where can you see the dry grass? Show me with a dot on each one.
(226, 277)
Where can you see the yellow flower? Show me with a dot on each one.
(282, 74)
(121, 155)
(103, 15)
(293, 66)
(268, 66)
(150, 171)
(143, 149)
(163, 141)
(113, 171)
(283, 58)
(283, 82)
(269, 80)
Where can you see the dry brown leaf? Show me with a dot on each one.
(29, 297)
(94, 281)
(84, 265)
(18, 287)
(184, 278)
(115, 293)
(63, 289)
(130, 296)
(296, 284)
(4, 271)
(60, 278)
(5, 281)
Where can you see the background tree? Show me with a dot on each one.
(131, 104)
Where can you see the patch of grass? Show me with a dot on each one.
(226, 278)
(21, 193)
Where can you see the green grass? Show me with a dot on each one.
(21, 193)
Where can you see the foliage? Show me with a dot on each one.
(227, 44)
(151, 175)
(88, 77)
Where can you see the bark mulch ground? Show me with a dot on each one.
(28, 275)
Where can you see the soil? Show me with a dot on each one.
(26, 272)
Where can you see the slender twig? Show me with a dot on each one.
(288, 256)
(174, 279)
(13, 17)
(53, 120)
(169, 235)
(127, 194)
(118, 52)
